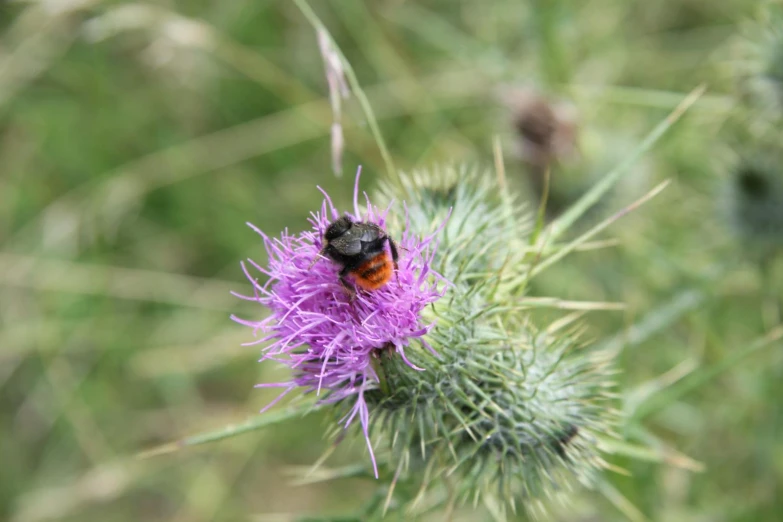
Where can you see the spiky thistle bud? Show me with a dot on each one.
(457, 390)
(506, 412)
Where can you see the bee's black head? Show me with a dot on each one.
(338, 228)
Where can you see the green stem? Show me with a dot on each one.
(232, 430)
(553, 62)
(377, 365)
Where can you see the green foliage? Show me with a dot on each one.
(130, 164)
(758, 61)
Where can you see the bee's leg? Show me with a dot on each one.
(394, 254)
(347, 284)
(317, 258)
(349, 288)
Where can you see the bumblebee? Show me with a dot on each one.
(360, 249)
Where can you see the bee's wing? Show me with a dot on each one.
(370, 233)
(349, 246)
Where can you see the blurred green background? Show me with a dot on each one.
(137, 139)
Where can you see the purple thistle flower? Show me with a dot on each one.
(327, 339)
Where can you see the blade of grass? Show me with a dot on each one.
(649, 388)
(589, 199)
(356, 87)
(552, 52)
(655, 321)
(224, 148)
(562, 304)
(541, 214)
(123, 283)
(361, 20)
(46, 38)
(100, 484)
(188, 358)
(568, 248)
(440, 33)
(63, 380)
(255, 423)
(656, 99)
(619, 501)
(254, 65)
(211, 486)
(702, 376)
(304, 475)
(648, 454)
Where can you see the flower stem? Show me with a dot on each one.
(377, 365)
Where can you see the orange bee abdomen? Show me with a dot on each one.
(374, 273)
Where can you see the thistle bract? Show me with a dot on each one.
(328, 337)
